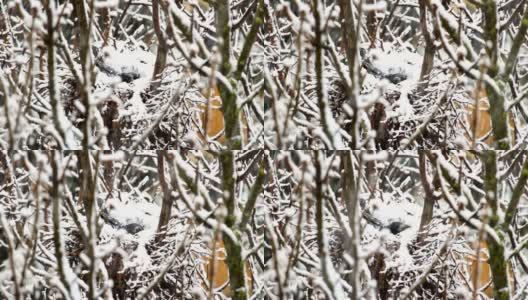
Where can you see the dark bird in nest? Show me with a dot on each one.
(127, 75)
(393, 73)
(394, 226)
(131, 228)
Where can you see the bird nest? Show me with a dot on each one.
(402, 111)
(134, 109)
(429, 270)
(176, 261)
(395, 108)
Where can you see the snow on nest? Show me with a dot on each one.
(142, 213)
(125, 58)
(395, 210)
(402, 211)
(125, 67)
(397, 62)
(401, 67)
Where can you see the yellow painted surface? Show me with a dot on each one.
(215, 123)
(480, 119)
(219, 272)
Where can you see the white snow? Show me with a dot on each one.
(106, 4)
(395, 209)
(125, 58)
(403, 211)
(140, 212)
(400, 61)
